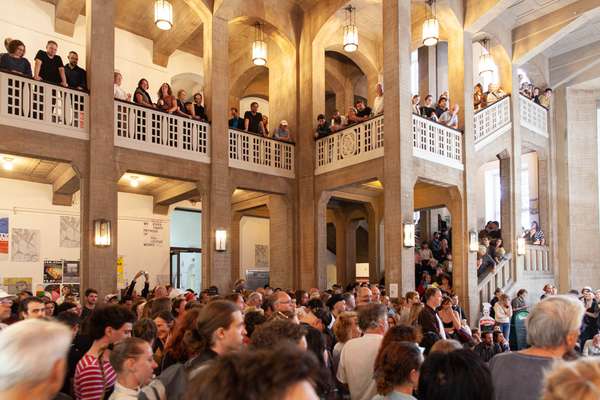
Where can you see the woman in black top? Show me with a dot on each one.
(14, 60)
(428, 111)
(141, 96)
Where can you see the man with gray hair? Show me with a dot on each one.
(254, 301)
(358, 355)
(33, 359)
(552, 331)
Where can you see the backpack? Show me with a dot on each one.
(172, 383)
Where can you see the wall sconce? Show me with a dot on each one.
(473, 242)
(220, 240)
(409, 235)
(521, 246)
(102, 233)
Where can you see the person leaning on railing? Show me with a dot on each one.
(14, 60)
(323, 128)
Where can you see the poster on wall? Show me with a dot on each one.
(70, 272)
(261, 256)
(53, 271)
(256, 279)
(25, 245)
(69, 235)
(153, 234)
(53, 291)
(17, 285)
(4, 237)
(120, 272)
(70, 288)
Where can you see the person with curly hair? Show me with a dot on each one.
(397, 371)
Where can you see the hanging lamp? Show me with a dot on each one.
(486, 62)
(259, 46)
(163, 15)
(431, 27)
(350, 30)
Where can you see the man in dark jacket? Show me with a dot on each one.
(428, 318)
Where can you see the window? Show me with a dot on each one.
(492, 194)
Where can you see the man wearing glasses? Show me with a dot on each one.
(6, 302)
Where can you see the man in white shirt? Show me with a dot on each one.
(450, 118)
(378, 101)
(6, 302)
(358, 355)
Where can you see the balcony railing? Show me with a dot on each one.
(43, 107)
(436, 142)
(533, 116)
(355, 144)
(145, 129)
(537, 259)
(500, 277)
(491, 122)
(261, 154)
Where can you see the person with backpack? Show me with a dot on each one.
(219, 331)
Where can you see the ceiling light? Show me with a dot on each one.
(350, 30)
(134, 181)
(163, 14)
(259, 46)
(7, 163)
(486, 62)
(431, 27)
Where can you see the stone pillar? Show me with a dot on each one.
(544, 195)
(505, 204)
(514, 230)
(340, 247)
(351, 227)
(99, 190)
(216, 66)
(311, 87)
(442, 72)
(373, 219)
(234, 241)
(463, 205)
(398, 160)
(427, 71)
(280, 243)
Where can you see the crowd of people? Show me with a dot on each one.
(48, 65)
(342, 343)
(439, 112)
(356, 114)
(482, 99)
(543, 98)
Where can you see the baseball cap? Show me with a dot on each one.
(4, 294)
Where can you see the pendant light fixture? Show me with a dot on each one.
(163, 15)
(486, 62)
(259, 46)
(350, 30)
(431, 26)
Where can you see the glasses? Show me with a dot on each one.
(6, 302)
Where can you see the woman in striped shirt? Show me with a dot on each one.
(94, 376)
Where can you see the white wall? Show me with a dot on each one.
(253, 231)
(29, 206)
(133, 211)
(263, 107)
(133, 54)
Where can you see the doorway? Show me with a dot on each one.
(186, 249)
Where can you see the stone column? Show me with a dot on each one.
(373, 219)
(280, 243)
(351, 227)
(234, 240)
(99, 189)
(464, 217)
(427, 71)
(311, 88)
(340, 247)
(513, 231)
(544, 195)
(398, 160)
(216, 66)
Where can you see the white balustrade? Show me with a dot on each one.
(491, 122)
(43, 107)
(256, 153)
(146, 129)
(500, 277)
(437, 143)
(537, 259)
(355, 144)
(533, 116)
